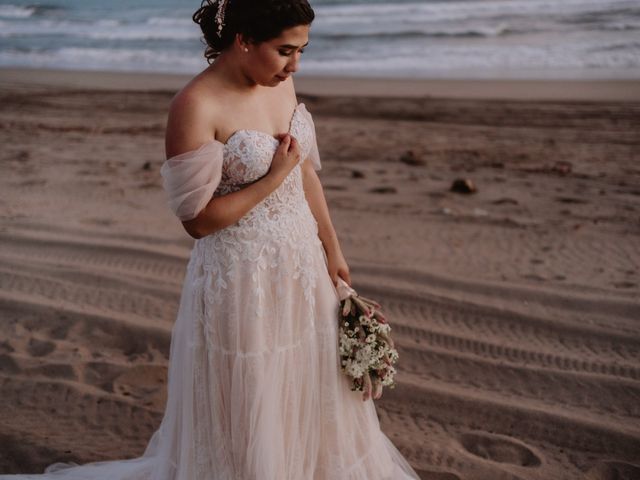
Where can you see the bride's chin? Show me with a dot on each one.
(270, 81)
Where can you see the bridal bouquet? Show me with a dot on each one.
(367, 352)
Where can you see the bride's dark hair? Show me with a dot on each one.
(257, 21)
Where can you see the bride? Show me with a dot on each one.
(255, 391)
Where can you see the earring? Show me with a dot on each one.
(246, 49)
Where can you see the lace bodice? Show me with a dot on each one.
(247, 154)
(192, 178)
(280, 230)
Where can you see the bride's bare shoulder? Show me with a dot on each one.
(191, 118)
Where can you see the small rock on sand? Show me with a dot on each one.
(411, 158)
(463, 185)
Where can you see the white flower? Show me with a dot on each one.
(370, 354)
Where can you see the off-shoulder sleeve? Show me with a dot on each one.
(314, 154)
(191, 178)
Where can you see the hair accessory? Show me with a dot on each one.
(222, 5)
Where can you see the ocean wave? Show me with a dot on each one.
(443, 58)
(603, 16)
(16, 11)
(352, 35)
(26, 11)
(104, 29)
(620, 26)
(408, 32)
(171, 22)
(624, 46)
(438, 61)
(461, 10)
(103, 59)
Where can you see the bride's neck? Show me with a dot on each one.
(230, 72)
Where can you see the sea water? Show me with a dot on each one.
(415, 39)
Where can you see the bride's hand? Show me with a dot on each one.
(286, 156)
(337, 266)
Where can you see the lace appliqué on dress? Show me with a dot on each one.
(278, 232)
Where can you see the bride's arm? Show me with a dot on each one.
(188, 129)
(318, 206)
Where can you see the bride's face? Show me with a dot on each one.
(271, 62)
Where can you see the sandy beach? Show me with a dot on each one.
(516, 307)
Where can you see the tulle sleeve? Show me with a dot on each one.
(191, 178)
(314, 154)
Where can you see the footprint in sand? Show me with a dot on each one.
(383, 190)
(8, 365)
(613, 470)
(624, 284)
(146, 382)
(499, 448)
(54, 370)
(573, 200)
(6, 347)
(40, 348)
(436, 475)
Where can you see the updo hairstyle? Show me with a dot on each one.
(257, 20)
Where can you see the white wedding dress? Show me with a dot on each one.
(254, 386)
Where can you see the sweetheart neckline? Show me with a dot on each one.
(293, 115)
(225, 144)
